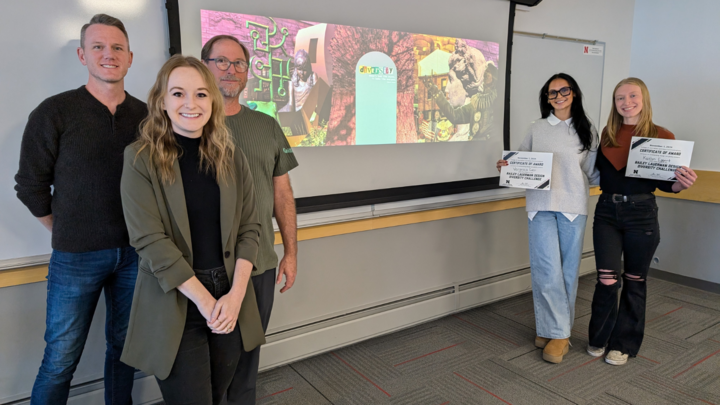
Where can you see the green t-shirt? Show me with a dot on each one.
(269, 155)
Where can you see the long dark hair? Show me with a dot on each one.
(580, 121)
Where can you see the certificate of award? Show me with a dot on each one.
(657, 159)
(526, 170)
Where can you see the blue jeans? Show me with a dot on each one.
(75, 281)
(555, 254)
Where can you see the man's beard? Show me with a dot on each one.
(231, 90)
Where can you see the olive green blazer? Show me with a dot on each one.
(157, 221)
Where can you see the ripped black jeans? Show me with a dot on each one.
(626, 230)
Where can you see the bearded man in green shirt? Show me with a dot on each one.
(270, 157)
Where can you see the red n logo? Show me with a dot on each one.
(586, 49)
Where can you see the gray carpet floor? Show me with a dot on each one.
(486, 356)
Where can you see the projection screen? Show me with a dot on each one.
(376, 98)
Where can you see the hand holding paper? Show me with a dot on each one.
(685, 178)
(525, 170)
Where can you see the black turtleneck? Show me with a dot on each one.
(202, 198)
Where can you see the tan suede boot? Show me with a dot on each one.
(555, 350)
(541, 342)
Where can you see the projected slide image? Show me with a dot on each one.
(332, 85)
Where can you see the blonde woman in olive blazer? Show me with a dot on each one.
(157, 220)
(158, 313)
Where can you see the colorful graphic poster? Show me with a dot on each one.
(331, 85)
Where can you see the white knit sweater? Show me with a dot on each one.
(572, 171)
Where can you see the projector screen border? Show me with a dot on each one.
(369, 197)
(173, 13)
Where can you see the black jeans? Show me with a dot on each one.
(205, 362)
(626, 230)
(242, 389)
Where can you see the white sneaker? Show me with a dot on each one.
(595, 351)
(616, 358)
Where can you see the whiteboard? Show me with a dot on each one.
(535, 60)
(39, 40)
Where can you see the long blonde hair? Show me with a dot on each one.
(644, 128)
(216, 147)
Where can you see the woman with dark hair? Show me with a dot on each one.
(625, 229)
(557, 217)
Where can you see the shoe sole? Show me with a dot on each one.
(615, 362)
(595, 354)
(556, 359)
(540, 344)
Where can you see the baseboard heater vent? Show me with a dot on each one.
(350, 316)
(79, 389)
(505, 276)
(494, 279)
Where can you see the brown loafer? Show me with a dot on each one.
(555, 350)
(541, 342)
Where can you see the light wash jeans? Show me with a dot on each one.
(555, 254)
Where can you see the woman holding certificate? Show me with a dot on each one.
(557, 217)
(189, 205)
(625, 227)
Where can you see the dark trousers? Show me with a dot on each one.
(205, 362)
(75, 281)
(242, 388)
(629, 230)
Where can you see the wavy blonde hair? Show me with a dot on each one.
(216, 147)
(644, 128)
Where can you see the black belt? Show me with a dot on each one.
(619, 198)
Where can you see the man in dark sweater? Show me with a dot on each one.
(71, 161)
(270, 158)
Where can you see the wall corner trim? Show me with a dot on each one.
(23, 275)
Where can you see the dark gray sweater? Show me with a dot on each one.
(73, 143)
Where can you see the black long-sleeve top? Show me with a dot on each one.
(71, 161)
(613, 180)
(202, 199)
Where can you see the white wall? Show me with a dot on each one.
(38, 43)
(609, 21)
(689, 239)
(675, 51)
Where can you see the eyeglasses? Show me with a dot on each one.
(553, 94)
(224, 63)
